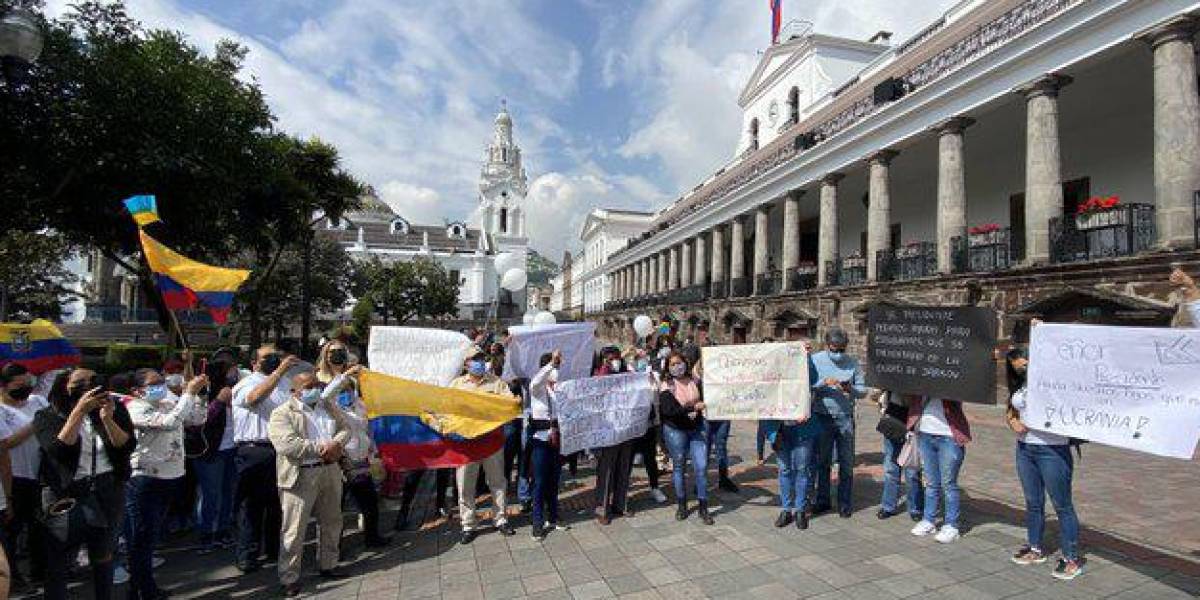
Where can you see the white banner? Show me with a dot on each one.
(1131, 387)
(527, 344)
(756, 381)
(595, 412)
(432, 356)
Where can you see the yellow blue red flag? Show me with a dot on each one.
(184, 283)
(39, 346)
(144, 209)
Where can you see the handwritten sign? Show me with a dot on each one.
(756, 381)
(1130, 387)
(943, 352)
(527, 344)
(595, 412)
(432, 356)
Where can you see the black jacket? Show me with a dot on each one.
(674, 414)
(60, 461)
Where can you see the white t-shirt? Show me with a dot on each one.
(89, 444)
(250, 422)
(1033, 436)
(25, 458)
(541, 398)
(227, 435)
(933, 418)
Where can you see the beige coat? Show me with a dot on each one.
(289, 434)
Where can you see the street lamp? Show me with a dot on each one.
(21, 39)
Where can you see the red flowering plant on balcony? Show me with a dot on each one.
(984, 229)
(1097, 204)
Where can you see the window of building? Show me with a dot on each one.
(456, 276)
(794, 105)
(754, 134)
(504, 154)
(456, 231)
(399, 227)
(334, 223)
(504, 220)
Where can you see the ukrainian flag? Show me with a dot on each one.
(184, 283)
(40, 346)
(421, 426)
(143, 208)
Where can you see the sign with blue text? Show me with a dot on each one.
(597, 412)
(756, 381)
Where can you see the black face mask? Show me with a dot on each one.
(270, 362)
(339, 356)
(21, 393)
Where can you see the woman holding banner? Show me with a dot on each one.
(544, 443)
(942, 435)
(613, 463)
(681, 404)
(1045, 466)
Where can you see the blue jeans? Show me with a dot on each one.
(718, 440)
(547, 468)
(524, 471)
(795, 457)
(217, 477)
(760, 442)
(891, 482)
(835, 432)
(941, 458)
(1047, 470)
(145, 509)
(683, 444)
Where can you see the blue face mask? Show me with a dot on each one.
(154, 393)
(346, 399)
(642, 366)
(310, 396)
(477, 368)
(836, 356)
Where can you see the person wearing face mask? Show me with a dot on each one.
(480, 380)
(86, 440)
(681, 401)
(547, 464)
(647, 446)
(158, 417)
(255, 397)
(310, 433)
(18, 408)
(215, 468)
(334, 371)
(840, 382)
(613, 463)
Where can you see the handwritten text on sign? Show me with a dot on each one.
(432, 356)
(596, 412)
(944, 352)
(757, 381)
(1132, 387)
(527, 344)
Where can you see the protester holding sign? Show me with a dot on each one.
(840, 382)
(794, 441)
(942, 434)
(681, 402)
(613, 463)
(892, 428)
(544, 442)
(1045, 466)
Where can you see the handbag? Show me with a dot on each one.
(66, 517)
(892, 428)
(909, 456)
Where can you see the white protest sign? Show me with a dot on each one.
(527, 344)
(756, 381)
(1131, 387)
(594, 412)
(432, 356)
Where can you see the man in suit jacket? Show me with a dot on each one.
(309, 433)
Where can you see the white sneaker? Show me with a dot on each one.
(120, 575)
(658, 496)
(924, 528)
(947, 534)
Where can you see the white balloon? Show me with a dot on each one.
(643, 325)
(545, 318)
(528, 318)
(514, 280)
(506, 261)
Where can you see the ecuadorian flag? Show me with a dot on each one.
(40, 346)
(421, 426)
(143, 208)
(184, 283)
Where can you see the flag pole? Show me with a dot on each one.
(178, 329)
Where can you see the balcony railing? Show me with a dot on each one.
(983, 252)
(120, 314)
(695, 293)
(911, 261)
(802, 278)
(768, 284)
(720, 290)
(850, 270)
(1121, 231)
(739, 287)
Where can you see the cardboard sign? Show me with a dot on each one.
(595, 412)
(756, 381)
(527, 344)
(432, 356)
(1130, 387)
(936, 351)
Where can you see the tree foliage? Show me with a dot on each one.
(280, 295)
(33, 276)
(403, 291)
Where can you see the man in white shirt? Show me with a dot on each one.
(255, 397)
(19, 406)
(310, 434)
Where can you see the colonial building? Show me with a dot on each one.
(604, 232)
(957, 167)
(566, 301)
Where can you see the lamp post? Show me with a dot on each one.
(21, 41)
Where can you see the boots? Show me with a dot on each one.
(703, 512)
(682, 512)
(725, 483)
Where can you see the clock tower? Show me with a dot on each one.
(502, 189)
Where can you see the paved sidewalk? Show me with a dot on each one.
(1143, 554)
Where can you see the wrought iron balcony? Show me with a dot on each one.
(739, 287)
(1124, 230)
(768, 284)
(801, 278)
(911, 261)
(691, 294)
(720, 290)
(983, 251)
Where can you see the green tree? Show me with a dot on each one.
(417, 289)
(33, 275)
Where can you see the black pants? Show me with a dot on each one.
(444, 480)
(258, 513)
(100, 541)
(362, 488)
(647, 446)
(26, 508)
(513, 449)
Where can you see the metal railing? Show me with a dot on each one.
(739, 287)
(720, 290)
(768, 284)
(911, 261)
(1121, 231)
(983, 252)
(801, 278)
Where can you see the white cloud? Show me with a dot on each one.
(420, 205)
(558, 203)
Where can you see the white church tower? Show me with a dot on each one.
(502, 189)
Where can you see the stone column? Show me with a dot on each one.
(1176, 130)
(685, 264)
(673, 268)
(718, 255)
(651, 278)
(827, 242)
(661, 259)
(879, 210)
(1043, 165)
(637, 278)
(791, 235)
(762, 246)
(952, 190)
(737, 248)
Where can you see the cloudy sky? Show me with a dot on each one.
(616, 103)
